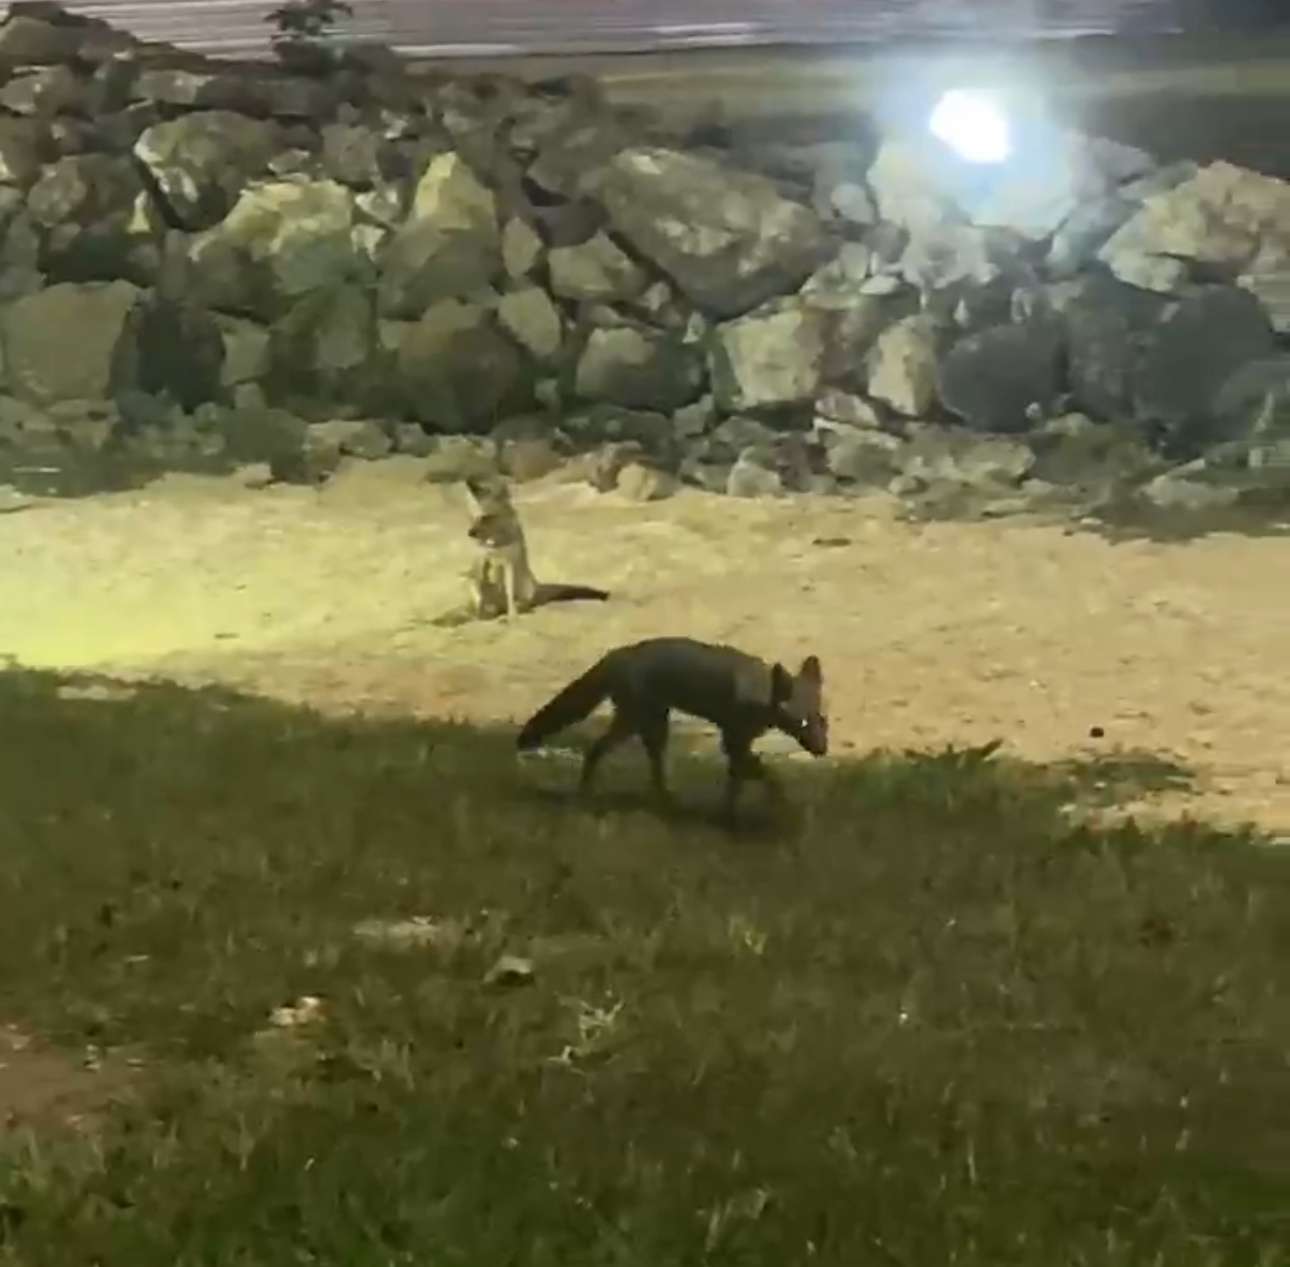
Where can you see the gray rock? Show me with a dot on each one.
(640, 482)
(1221, 218)
(98, 222)
(1174, 491)
(639, 368)
(455, 371)
(24, 145)
(691, 421)
(860, 455)
(1267, 278)
(771, 358)
(44, 93)
(995, 380)
(902, 367)
(355, 155)
(1093, 459)
(170, 348)
(450, 246)
(351, 437)
(533, 321)
(843, 407)
(947, 455)
(246, 351)
(202, 162)
(1084, 232)
(451, 459)
(853, 203)
(194, 89)
(32, 40)
(734, 436)
(837, 285)
(282, 241)
(1199, 343)
(749, 477)
(598, 270)
(521, 248)
(911, 188)
(38, 330)
(1252, 408)
(1106, 324)
(326, 347)
(728, 240)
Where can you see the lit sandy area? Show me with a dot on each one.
(946, 633)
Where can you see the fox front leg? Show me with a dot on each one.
(744, 766)
(512, 600)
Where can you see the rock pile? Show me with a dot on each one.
(205, 264)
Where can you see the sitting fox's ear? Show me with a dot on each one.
(811, 669)
(781, 684)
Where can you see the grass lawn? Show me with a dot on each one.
(923, 1021)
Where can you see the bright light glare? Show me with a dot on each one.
(971, 125)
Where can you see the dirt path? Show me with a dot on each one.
(929, 635)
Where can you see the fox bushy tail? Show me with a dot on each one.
(567, 594)
(577, 701)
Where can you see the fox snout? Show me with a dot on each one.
(814, 737)
(810, 732)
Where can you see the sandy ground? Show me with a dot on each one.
(936, 634)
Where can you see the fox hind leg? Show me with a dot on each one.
(653, 730)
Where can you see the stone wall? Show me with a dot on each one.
(205, 265)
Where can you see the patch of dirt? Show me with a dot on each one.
(43, 1088)
(930, 634)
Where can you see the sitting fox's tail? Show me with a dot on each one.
(577, 701)
(566, 594)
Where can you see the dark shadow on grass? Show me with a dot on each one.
(928, 1020)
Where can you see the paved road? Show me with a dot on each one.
(494, 27)
(1193, 96)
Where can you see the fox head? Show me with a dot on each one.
(492, 529)
(798, 700)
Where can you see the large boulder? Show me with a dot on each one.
(448, 248)
(38, 331)
(1106, 322)
(1226, 222)
(997, 379)
(902, 366)
(638, 368)
(597, 270)
(771, 358)
(98, 222)
(282, 241)
(24, 145)
(325, 347)
(728, 239)
(455, 371)
(1199, 343)
(201, 162)
(529, 316)
(171, 348)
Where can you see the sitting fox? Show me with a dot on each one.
(742, 695)
(501, 579)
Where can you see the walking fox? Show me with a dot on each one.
(501, 579)
(741, 694)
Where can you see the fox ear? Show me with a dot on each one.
(472, 497)
(811, 669)
(781, 684)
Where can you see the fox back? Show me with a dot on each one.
(740, 693)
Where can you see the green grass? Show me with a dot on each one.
(923, 1020)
